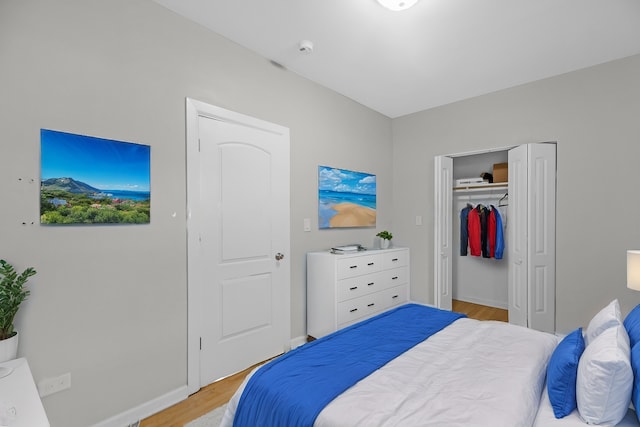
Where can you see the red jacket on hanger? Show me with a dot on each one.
(475, 242)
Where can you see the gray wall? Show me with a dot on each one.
(594, 115)
(109, 302)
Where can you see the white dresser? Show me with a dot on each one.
(343, 289)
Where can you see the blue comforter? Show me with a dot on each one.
(292, 390)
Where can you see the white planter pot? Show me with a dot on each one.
(9, 348)
(384, 243)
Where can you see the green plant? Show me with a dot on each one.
(385, 235)
(12, 293)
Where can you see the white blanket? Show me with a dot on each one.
(472, 373)
(545, 417)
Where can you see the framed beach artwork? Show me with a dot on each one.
(89, 180)
(346, 198)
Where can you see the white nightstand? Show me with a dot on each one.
(20, 404)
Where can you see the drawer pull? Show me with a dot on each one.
(370, 263)
(353, 310)
(394, 297)
(370, 305)
(394, 278)
(354, 266)
(353, 289)
(370, 284)
(394, 259)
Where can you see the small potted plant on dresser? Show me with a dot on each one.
(12, 294)
(385, 239)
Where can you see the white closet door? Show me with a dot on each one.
(531, 236)
(542, 232)
(516, 224)
(443, 249)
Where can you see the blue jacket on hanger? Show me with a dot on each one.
(499, 252)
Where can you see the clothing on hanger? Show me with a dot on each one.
(491, 232)
(499, 250)
(481, 231)
(483, 212)
(475, 233)
(464, 234)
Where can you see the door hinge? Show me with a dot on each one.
(200, 343)
(198, 144)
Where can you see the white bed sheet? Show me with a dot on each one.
(545, 417)
(472, 373)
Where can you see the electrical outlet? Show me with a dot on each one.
(53, 385)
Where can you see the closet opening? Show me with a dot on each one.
(478, 275)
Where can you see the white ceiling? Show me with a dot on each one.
(437, 52)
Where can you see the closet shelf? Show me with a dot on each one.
(483, 187)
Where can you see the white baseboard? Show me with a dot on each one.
(146, 409)
(298, 341)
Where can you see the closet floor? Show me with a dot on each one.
(481, 312)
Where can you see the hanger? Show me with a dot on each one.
(506, 200)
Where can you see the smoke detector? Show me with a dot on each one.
(305, 46)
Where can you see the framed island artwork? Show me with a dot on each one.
(346, 198)
(89, 180)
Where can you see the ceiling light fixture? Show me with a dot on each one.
(396, 5)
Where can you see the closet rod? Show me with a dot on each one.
(487, 198)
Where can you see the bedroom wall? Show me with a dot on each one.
(108, 303)
(593, 115)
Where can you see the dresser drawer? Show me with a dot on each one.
(368, 305)
(392, 297)
(395, 259)
(354, 309)
(357, 266)
(358, 286)
(394, 277)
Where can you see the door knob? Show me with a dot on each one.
(279, 256)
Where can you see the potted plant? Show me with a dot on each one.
(385, 239)
(12, 294)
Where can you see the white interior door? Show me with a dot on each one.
(517, 232)
(239, 273)
(531, 235)
(443, 248)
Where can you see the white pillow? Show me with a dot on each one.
(606, 318)
(605, 378)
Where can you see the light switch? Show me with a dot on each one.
(418, 219)
(307, 224)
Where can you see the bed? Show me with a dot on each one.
(463, 372)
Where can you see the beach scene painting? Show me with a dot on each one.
(346, 198)
(89, 180)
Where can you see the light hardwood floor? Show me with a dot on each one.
(219, 393)
(480, 312)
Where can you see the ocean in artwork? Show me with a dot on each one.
(126, 195)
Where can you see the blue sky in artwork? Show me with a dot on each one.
(345, 181)
(102, 163)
